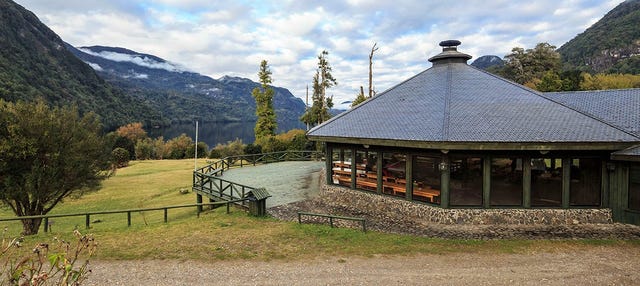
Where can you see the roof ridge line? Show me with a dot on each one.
(447, 101)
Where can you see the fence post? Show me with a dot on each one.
(299, 217)
(46, 224)
(165, 215)
(86, 221)
(228, 207)
(128, 219)
(331, 221)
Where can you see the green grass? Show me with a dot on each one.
(216, 235)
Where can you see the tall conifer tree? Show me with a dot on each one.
(266, 123)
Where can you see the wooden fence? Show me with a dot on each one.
(88, 215)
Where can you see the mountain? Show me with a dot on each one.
(611, 44)
(485, 62)
(182, 95)
(35, 64)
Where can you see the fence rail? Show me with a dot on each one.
(332, 217)
(88, 215)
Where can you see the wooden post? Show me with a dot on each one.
(354, 168)
(408, 176)
(526, 182)
(199, 202)
(328, 165)
(486, 182)
(87, 221)
(165, 215)
(379, 173)
(566, 182)
(128, 219)
(46, 224)
(444, 181)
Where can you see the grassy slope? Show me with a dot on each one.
(216, 235)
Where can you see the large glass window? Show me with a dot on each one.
(634, 187)
(465, 187)
(366, 179)
(586, 182)
(546, 182)
(341, 169)
(394, 167)
(426, 179)
(506, 182)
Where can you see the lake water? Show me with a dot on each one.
(213, 133)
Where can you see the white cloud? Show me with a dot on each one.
(94, 66)
(135, 59)
(231, 37)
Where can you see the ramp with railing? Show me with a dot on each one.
(208, 181)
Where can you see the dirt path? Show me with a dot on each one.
(596, 266)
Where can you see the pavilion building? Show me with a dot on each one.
(455, 137)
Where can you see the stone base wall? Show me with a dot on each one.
(398, 209)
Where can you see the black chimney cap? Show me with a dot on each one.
(450, 43)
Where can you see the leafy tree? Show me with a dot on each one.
(609, 81)
(132, 131)
(120, 157)
(322, 80)
(176, 148)
(360, 98)
(523, 66)
(203, 150)
(550, 81)
(46, 155)
(266, 123)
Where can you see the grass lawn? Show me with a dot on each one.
(216, 235)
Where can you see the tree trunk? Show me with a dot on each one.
(31, 226)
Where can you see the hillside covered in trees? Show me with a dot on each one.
(611, 45)
(34, 63)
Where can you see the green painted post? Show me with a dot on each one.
(408, 171)
(379, 173)
(486, 182)
(444, 181)
(566, 182)
(354, 168)
(526, 182)
(328, 165)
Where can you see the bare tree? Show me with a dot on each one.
(373, 49)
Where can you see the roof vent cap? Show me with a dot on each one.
(450, 53)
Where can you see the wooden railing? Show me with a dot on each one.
(332, 217)
(207, 181)
(88, 215)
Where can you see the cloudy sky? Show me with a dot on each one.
(231, 37)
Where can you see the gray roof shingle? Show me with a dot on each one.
(620, 107)
(455, 102)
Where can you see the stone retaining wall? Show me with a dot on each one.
(398, 209)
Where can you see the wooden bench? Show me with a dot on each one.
(429, 194)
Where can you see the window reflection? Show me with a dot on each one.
(426, 179)
(586, 177)
(465, 181)
(546, 182)
(506, 181)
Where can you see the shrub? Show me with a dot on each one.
(120, 157)
(252, 149)
(176, 148)
(59, 263)
(232, 148)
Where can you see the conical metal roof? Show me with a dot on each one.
(457, 106)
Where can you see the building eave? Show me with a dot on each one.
(448, 145)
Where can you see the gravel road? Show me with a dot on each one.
(595, 266)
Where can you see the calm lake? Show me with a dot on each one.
(213, 133)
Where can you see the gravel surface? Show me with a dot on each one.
(596, 266)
